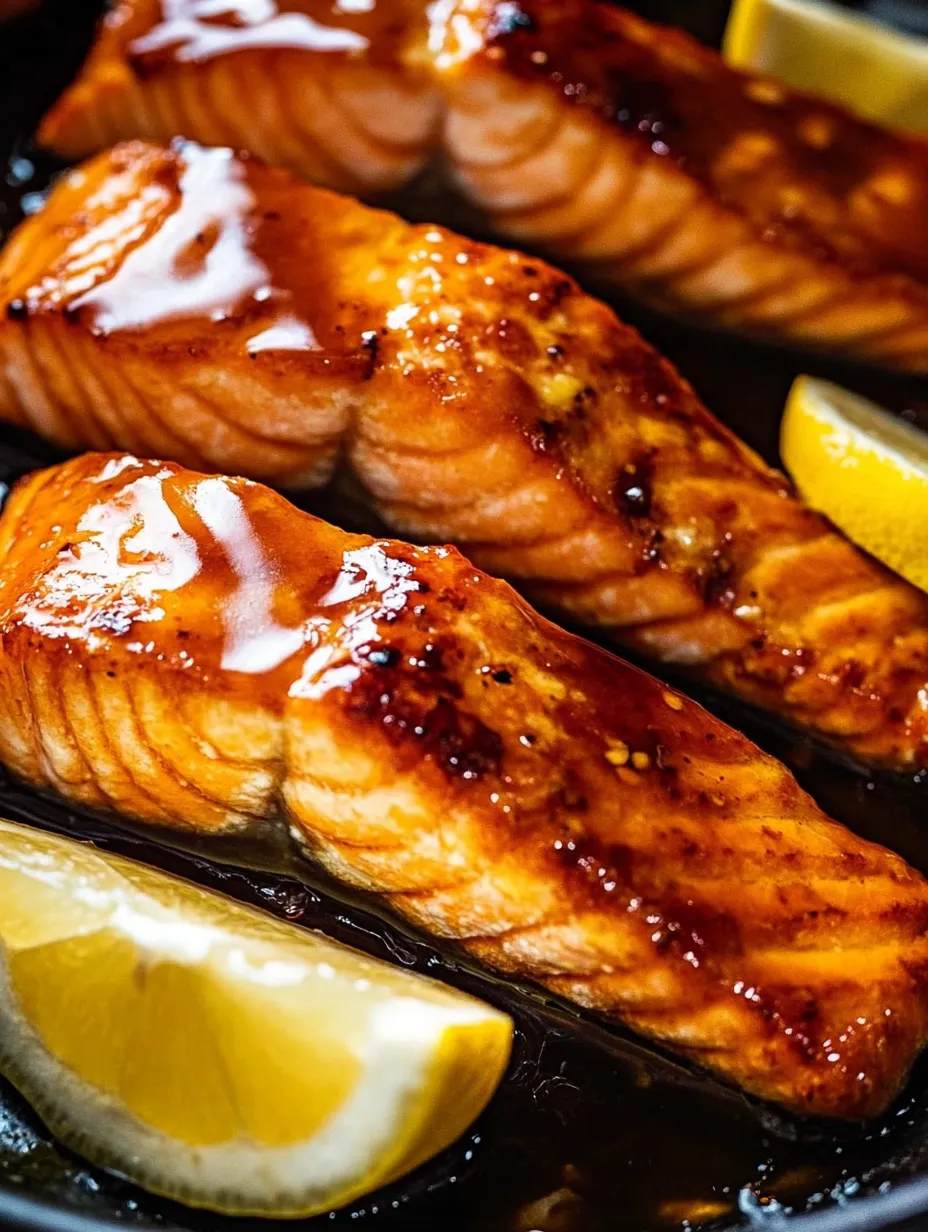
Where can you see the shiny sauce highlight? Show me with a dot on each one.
(201, 263)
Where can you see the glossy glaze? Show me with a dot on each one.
(185, 303)
(636, 151)
(306, 84)
(201, 262)
(572, 125)
(804, 172)
(196, 30)
(430, 739)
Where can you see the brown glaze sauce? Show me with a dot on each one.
(123, 577)
(197, 30)
(208, 251)
(180, 32)
(590, 1132)
(803, 170)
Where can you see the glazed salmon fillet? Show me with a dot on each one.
(194, 651)
(199, 306)
(300, 84)
(626, 148)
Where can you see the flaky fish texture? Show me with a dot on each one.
(335, 95)
(194, 651)
(624, 147)
(199, 306)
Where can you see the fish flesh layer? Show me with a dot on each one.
(194, 651)
(627, 148)
(192, 304)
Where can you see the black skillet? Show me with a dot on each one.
(592, 1131)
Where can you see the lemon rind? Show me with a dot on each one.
(387, 1125)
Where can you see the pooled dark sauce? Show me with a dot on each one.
(592, 1130)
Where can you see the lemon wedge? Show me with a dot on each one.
(216, 1055)
(841, 55)
(866, 469)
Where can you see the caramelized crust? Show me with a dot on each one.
(574, 125)
(193, 651)
(206, 308)
(635, 148)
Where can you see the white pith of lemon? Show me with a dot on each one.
(868, 67)
(216, 1055)
(866, 469)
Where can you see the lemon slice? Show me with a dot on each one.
(841, 55)
(216, 1055)
(864, 468)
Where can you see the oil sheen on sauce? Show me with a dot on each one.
(199, 263)
(197, 30)
(148, 538)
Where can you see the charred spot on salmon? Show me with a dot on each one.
(716, 585)
(430, 657)
(17, 310)
(370, 340)
(637, 499)
(652, 550)
(633, 492)
(461, 744)
(640, 103)
(542, 435)
(571, 796)
(591, 62)
(558, 291)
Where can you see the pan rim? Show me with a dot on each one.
(878, 1212)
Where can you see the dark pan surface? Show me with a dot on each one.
(591, 1130)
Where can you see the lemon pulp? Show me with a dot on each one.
(216, 1055)
(814, 46)
(866, 469)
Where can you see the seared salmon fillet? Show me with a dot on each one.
(200, 306)
(627, 148)
(639, 154)
(302, 85)
(194, 651)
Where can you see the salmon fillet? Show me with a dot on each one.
(199, 306)
(638, 153)
(625, 147)
(194, 651)
(302, 85)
